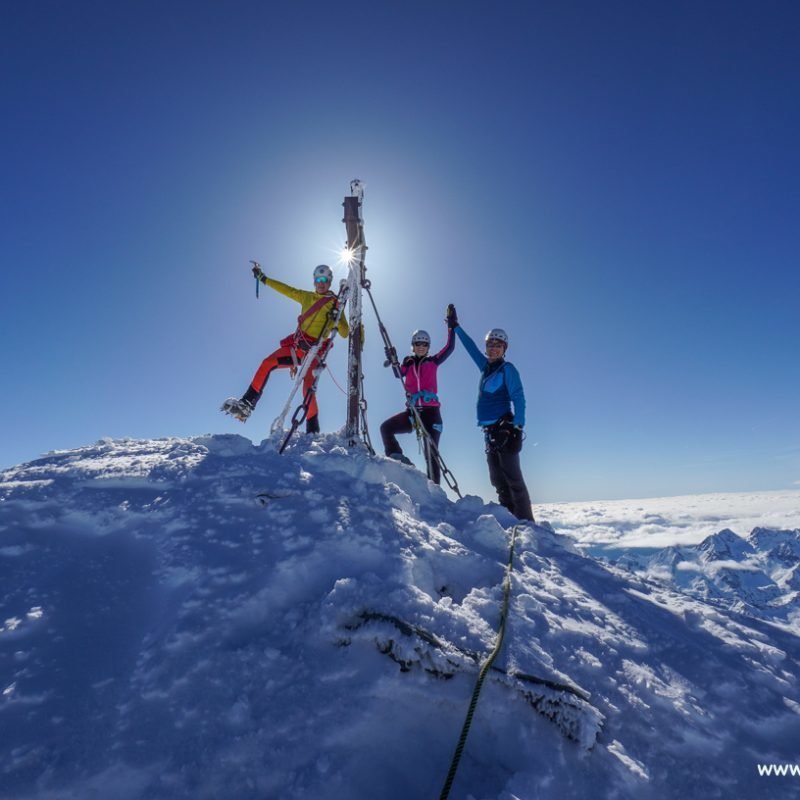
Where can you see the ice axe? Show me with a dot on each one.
(256, 265)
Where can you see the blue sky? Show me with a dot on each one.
(615, 184)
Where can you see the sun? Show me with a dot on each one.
(346, 256)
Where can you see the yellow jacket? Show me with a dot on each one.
(312, 326)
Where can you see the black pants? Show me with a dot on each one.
(431, 417)
(503, 446)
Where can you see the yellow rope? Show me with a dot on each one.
(484, 671)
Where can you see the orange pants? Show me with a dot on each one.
(282, 359)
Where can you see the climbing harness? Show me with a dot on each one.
(503, 437)
(462, 740)
(425, 396)
(300, 340)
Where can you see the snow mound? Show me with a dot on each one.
(165, 635)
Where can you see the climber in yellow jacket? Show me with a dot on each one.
(316, 308)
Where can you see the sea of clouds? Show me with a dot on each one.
(664, 521)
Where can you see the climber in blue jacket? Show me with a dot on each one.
(501, 414)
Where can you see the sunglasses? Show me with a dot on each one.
(321, 279)
(494, 343)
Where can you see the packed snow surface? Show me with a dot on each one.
(165, 635)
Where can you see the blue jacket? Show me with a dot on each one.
(500, 386)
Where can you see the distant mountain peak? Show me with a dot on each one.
(777, 543)
(724, 545)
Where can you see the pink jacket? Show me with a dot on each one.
(419, 374)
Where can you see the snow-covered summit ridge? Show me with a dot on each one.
(164, 636)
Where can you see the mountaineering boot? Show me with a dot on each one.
(240, 409)
(243, 408)
(402, 458)
(312, 424)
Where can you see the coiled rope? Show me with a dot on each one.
(484, 671)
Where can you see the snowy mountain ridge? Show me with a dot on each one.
(759, 575)
(164, 636)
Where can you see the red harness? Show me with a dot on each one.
(300, 339)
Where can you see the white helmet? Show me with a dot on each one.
(420, 337)
(323, 271)
(499, 334)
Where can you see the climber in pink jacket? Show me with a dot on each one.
(419, 377)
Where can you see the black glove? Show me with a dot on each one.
(452, 317)
(257, 273)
